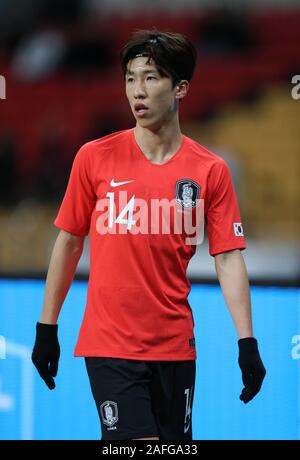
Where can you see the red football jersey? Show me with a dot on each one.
(137, 305)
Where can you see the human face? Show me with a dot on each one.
(151, 97)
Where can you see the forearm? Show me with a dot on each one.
(233, 278)
(64, 259)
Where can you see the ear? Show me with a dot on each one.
(181, 89)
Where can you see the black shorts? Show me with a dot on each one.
(138, 399)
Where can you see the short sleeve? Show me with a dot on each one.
(223, 220)
(79, 201)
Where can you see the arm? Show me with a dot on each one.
(46, 351)
(232, 275)
(233, 278)
(63, 263)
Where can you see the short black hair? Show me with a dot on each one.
(173, 54)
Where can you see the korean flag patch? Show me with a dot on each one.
(238, 229)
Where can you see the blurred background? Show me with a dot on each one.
(64, 87)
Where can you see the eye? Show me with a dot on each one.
(129, 79)
(150, 77)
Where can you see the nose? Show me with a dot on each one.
(139, 90)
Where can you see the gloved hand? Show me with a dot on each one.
(253, 371)
(46, 352)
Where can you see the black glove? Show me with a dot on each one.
(253, 371)
(46, 352)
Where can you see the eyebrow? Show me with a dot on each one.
(130, 72)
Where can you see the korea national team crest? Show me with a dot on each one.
(187, 193)
(109, 414)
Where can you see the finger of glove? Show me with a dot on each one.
(49, 382)
(259, 375)
(44, 374)
(247, 378)
(246, 395)
(250, 391)
(257, 380)
(253, 377)
(53, 368)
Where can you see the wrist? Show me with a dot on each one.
(47, 322)
(46, 330)
(247, 343)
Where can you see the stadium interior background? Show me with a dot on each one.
(64, 87)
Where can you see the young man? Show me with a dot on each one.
(137, 333)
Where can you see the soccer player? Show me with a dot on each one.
(137, 334)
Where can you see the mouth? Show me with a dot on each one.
(140, 109)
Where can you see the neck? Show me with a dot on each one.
(161, 144)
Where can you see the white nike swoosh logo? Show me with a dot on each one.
(116, 184)
(186, 428)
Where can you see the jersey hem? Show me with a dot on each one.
(100, 354)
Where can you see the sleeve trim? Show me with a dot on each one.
(221, 249)
(73, 230)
